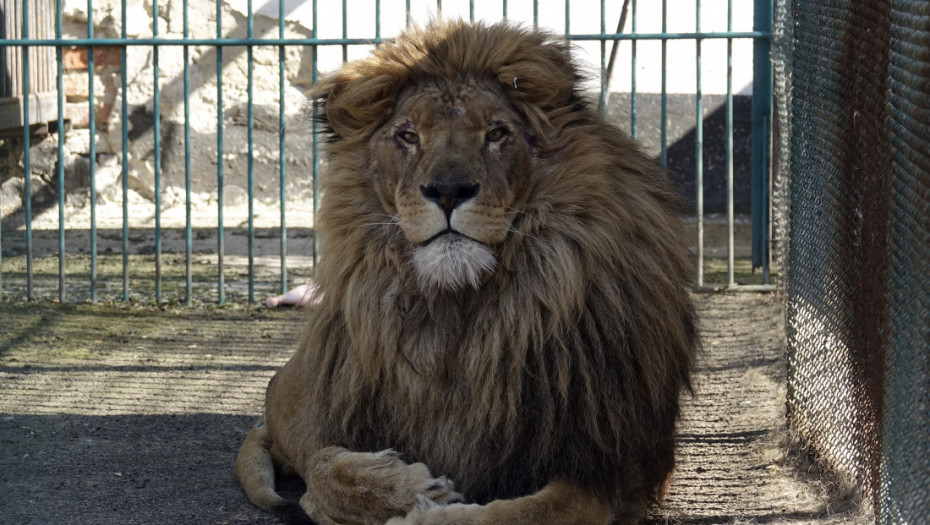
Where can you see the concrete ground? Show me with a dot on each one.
(134, 415)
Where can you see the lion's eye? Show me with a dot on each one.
(409, 137)
(496, 134)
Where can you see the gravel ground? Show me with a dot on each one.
(134, 415)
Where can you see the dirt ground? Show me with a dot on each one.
(118, 414)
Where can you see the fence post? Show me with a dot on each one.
(761, 122)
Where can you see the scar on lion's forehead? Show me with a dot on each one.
(453, 112)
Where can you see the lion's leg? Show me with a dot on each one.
(346, 487)
(558, 502)
(255, 470)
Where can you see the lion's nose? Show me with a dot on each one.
(449, 195)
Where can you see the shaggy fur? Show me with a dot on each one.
(562, 351)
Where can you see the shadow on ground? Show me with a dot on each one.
(131, 415)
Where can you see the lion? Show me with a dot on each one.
(505, 326)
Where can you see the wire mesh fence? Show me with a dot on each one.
(858, 202)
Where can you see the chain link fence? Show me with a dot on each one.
(854, 123)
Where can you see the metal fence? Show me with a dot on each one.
(156, 273)
(857, 132)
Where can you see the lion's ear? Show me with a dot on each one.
(541, 75)
(351, 103)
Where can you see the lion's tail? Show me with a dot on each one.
(255, 470)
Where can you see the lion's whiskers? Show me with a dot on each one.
(393, 220)
(514, 230)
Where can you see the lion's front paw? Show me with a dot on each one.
(416, 485)
(373, 486)
(430, 513)
(438, 491)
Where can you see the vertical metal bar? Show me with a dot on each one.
(439, 9)
(281, 158)
(633, 130)
(156, 133)
(315, 144)
(471, 10)
(761, 115)
(1, 249)
(188, 233)
(504, 8)
(250, 124)
(699, 148)
(124, 179)
(220, 241)
(766, 198)
(603, 99)
(568, 18)
(731, 245)
(663, 126)
(27, 160)
(535, 14)
(93, 154)
(408, 18)
(61, 163)
(345, 32)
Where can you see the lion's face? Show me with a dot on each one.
(453, 163)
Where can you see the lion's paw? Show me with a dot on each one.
(439, 491)
(428, 512)
(382, 480)
(416, 480)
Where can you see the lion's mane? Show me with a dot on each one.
(569, 359)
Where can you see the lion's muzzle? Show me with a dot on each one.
(449, 194)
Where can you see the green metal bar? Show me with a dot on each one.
(766, 211)
(61, 162)
(220, 234)
(664, 36)
(188, 230)
(699, 150)
(282, 164)
(124, 180)
(731, 248)
(315, 142)
(250, 126)
(603, 98)
(214, 42)
(504, 9)
(93, 154)
(761, 117)
(471, 10)
(27, 161)
(663, 126)
(239, 42)
(633, 130)
(156, 133)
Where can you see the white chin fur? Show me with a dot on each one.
(451, 262)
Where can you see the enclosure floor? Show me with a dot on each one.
(128, 415)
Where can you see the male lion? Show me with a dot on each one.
(504, 300)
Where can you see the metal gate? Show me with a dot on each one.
(156, 147)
